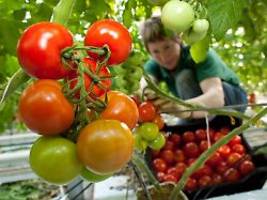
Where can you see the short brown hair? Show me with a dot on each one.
(152, 30)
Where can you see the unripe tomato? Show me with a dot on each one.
(140, 143)
(177, 15)
(158, 143)
(200, 25)
(92, 177)
(39, 50)
(55, 160)
(191, 37)
(148, 131)
(122, 108)
(111, 33)
(44, 109)
(157, 2)
(105, 146)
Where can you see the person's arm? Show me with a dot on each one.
(213, 96)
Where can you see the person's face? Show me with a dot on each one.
(166, 52)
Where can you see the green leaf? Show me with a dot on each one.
(127, 15)
(199, 50)
(15, 81)
(224, 15)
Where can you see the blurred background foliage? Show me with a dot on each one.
(239, 30)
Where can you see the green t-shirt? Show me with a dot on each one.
(212, 66)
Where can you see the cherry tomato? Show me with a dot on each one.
(231, 175)
(147, 112)
(167, 156)
(170, 178)
(238, 148)
(188, 136)
(111, 33)
(179, 156)
(191, 184)
(225, 130)
(216, 179)
(233, 158)
(140, 143)
(148, 131)
(92, 177)
(174, 171)
(205, 170)
(158, 143)
(191, 150)
(105, 146)
(203, 145)
(122, 108)
(181, 167)
(175, 138)
(204, 181)
(246, 167)
(169, 145)
(159, 165)
(217, 136)
(39, 50)
(44, 109)
(55, 160)
(201, 134)
(159, 121)
(96, 91)
(160, 176)
(235, 140)
(221, 167)
(215, 159)
(224, 151)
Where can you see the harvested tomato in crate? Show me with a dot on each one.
(231, 169)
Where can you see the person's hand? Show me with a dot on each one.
(165, 105)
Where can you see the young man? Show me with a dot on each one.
(209, 83)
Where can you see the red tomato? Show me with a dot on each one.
(159, 165)
(169, 145)
(225, 130)
(216, 179)
(246, 167)
(205, 170)
(179, 156)
(160, 176)
(122, 108)
(39, 50)
(181, 167)
(167, 155)
(96, 91)
(191, 184)
(174, 171)
(105, 146)
(175, 138)
(170, 178)
(111, 33)
(159, 121)
(201, 134)
(203, 146)
(188, 136)
(204, 181)
(224, 151)
(235, 140)
(232, 175)
(147, 112)
(238, 148)
(233, 158)
(191, 150)
(214, 160)
(217, 136)
(221, 167)
(44, 109)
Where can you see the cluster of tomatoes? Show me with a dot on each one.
(228, 164)
(68, 80)
(193, 29)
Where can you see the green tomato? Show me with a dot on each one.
(139, 143)
(157, 2)
(200, 26)
(191, 37)
(158, 143)
(177, 16)
(163, 86)
(119, 81)
(93, 177)
(55, 160)
(148, 131)
(135, 72)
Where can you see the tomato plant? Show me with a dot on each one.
(39, 50)
(105, 146)
(96, 90)
(111, 33)
(200, 25)
(122, 108)
(44, 109)
(55, 160)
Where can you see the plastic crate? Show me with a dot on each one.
(254, 180)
